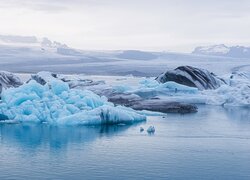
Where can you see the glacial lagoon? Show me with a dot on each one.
(213, 143)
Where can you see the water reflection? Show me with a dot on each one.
(57, 137)
(241, 114)
(32, 136)
(213, 144)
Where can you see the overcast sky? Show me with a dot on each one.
(176, 25)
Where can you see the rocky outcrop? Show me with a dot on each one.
(8, 80)
(193, 77)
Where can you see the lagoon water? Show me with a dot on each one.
(211, 144)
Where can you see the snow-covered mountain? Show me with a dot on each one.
(223, 50)
(43, 44)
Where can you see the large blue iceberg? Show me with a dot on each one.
(56, 103)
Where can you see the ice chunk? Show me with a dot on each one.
(175, 87)
(56, 103)
(151, 130)
(151, 88)
(74, 81)
(150, 83)
(193, 77)
(43, 77)
(102, 115)
(121, 88)
(58, 87)
(230, 96)
(8, 80)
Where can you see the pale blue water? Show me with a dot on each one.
(211, 144)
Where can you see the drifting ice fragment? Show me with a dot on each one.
(151, 130)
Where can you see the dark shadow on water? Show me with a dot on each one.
(32, 136)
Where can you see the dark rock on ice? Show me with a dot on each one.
(43, 77)
(8, 80)
(193, 77)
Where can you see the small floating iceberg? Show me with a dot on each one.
(56, 103)
(151, 130)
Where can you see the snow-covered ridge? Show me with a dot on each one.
(223, 50)
(213, 50)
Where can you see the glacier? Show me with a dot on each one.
(55, 103)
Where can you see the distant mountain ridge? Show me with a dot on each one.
(32, 54)
(44, 44)
(223, 50)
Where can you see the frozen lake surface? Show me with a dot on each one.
(211, 144)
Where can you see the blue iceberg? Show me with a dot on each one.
(56, 103)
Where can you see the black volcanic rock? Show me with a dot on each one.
(193, 77)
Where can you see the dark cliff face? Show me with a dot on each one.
(193, 77)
